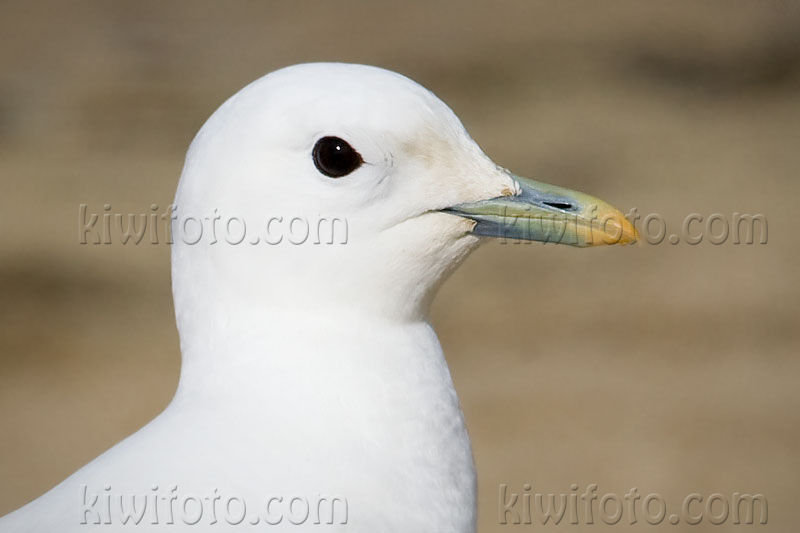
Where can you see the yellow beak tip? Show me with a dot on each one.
(616, 229)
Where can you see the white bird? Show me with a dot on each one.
(314, 394)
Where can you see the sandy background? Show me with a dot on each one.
(670, 368)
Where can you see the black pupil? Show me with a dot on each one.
(335, 158)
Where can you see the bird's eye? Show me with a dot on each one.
(335, 158)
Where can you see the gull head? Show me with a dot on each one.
(329, 188)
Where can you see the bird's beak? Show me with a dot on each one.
(539, 211)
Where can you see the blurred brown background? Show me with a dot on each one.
(670, 368)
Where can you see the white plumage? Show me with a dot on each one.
(310, 370)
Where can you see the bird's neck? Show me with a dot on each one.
(277, 355)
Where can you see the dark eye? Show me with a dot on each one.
(335, 158)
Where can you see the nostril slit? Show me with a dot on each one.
(558, 205)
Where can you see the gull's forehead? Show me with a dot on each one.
(348, 87)
(326, 97)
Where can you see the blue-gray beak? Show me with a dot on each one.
(548, 213)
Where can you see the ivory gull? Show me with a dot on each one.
(313, 391)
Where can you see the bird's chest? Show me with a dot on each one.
(387, 435)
